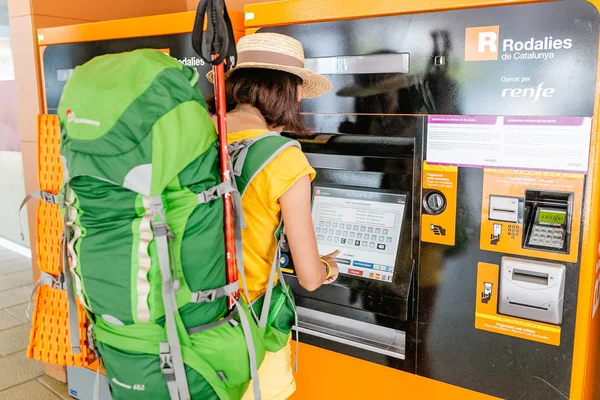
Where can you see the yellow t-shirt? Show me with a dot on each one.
(262, 210)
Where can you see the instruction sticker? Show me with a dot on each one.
(439, 188)
(559, 144)
(488, 319)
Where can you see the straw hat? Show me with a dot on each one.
(278, 52)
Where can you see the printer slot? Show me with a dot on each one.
(528, 305)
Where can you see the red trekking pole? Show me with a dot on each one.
(230, 250)
(220, 44)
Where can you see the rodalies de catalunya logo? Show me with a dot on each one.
(483, 43)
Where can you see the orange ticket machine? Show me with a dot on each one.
(457, 159)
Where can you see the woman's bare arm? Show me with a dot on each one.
(295, 208)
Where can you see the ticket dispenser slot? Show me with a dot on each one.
(362, 206)
(547, 222)
(532, 290)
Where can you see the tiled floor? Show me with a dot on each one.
(20, 378)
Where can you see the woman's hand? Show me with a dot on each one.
(295, 208)
(335, 271)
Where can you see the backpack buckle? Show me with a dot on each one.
(215, 192)
(58, 282)
(160, 228)
(48, 197)
(158, 209)
(207, 296)
(209, 195)
(91, 341)
(237, 146)
(166, 359)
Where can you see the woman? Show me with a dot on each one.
(263, 95)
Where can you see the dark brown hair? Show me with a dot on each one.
(273, 92)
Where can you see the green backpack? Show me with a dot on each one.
(144, 233)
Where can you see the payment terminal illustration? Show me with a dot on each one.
(486, 295)
(496, 234)
(364, 225)
(438, 230)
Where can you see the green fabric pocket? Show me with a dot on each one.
(225, 349)
(280, 320)
(133, 375)
(216, 360)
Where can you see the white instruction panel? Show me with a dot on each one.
(364, 225)
(556, 144)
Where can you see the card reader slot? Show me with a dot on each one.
(534, 277)
(378, 339)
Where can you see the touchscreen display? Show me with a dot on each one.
(364, 225)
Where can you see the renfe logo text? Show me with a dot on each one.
(531, 93)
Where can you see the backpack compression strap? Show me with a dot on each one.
(171, 358)
(72, 313)
(40, 194)
(46, 279)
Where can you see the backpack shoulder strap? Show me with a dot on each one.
(249, 159)
(250, 156)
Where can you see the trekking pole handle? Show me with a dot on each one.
(220, 40)
(217, 39)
